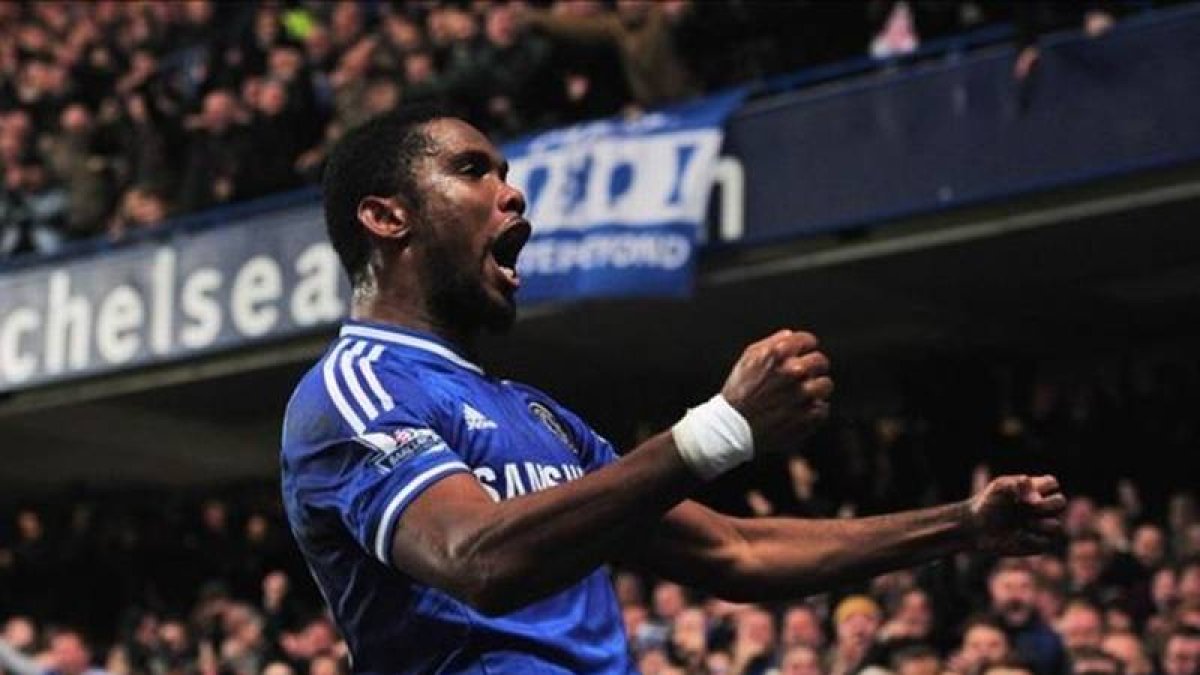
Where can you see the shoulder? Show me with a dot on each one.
(355, 387)
(534, 394)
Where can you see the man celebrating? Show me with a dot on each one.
(460, 523)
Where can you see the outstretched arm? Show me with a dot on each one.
(755, 559)
(498, 556)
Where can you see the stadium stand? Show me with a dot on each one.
(208, 580)
(118, 117)
(115, 116)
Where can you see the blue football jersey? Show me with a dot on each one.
(387, 413)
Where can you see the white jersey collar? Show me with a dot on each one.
(407, 338)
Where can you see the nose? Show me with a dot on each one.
(511, 199)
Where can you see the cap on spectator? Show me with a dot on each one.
(856, 604)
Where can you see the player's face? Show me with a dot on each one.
(469, 230)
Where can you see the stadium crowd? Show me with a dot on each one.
(117, 115)
(209, 581)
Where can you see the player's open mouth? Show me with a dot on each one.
(507, 246)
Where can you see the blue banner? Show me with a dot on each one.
(260, 279)
(963, 130)
(617, 205)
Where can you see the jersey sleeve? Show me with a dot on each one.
(372, 477)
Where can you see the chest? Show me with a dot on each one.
(514, 443)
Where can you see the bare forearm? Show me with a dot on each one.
(797, 557)
(530, 546)
(497, 556)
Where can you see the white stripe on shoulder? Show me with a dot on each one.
(346, 365)
(335, 393)
(366, 367)
(409, 341)
(389, 514)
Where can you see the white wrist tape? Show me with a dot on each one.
(713, 437)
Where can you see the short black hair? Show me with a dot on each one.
(912, 651)
(374, 158)
(985, 620)
(1009, 662)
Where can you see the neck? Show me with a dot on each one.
(398, 309)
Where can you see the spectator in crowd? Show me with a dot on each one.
(86, 172)
(1085, 564)
(1012, 588)
(984, 643)
(669, 600)
(802, 626)
(33, 209)
(1149, 546)
(1181, 653)
(174, 649)
(217, 153)
(137, 82)
(856, 620)
(68, 654)
(1111, 527)
(753, 648)
(209, 583)
(142, 207)
(643, 633)
(641, 31)
(1041, 16)
(1093, 661)
(1126, 647)
(1188, 582)
(1081, 625)
(1051, 598)
(21, 634)
(911, 618)
(800, 659)
(275, 136)
(918, 659)
(1079, 517)
(688, 642)
(148, 135)
(515, 68)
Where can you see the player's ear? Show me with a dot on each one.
(384, 217)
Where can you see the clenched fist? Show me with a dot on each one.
(781, 386)
(1017, 515)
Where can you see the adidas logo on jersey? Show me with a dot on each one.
(476, 420)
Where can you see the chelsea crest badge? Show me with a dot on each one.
(551, 422)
